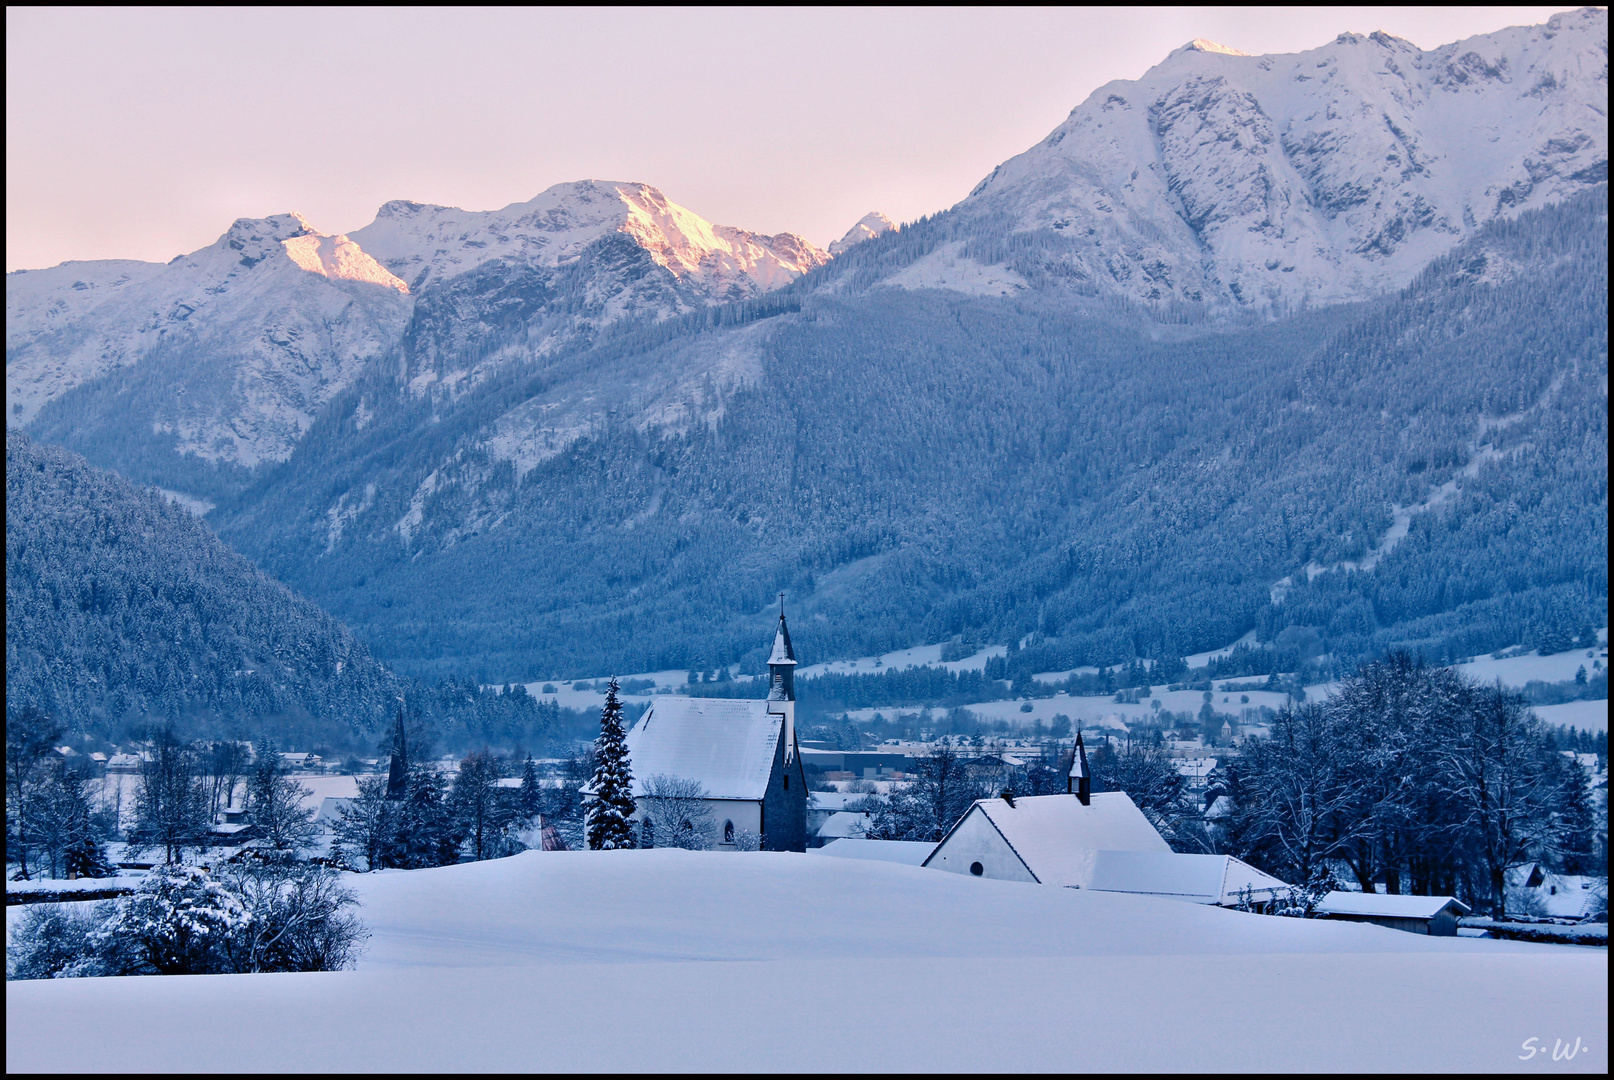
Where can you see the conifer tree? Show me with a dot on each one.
(610, 801)
(529, 802)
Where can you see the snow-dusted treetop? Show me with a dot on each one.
(868, 227)
(1327, 175)
(423, 243)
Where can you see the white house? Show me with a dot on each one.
(1051, 839)
(1534, 890)
(743, 753)
(1085, 841)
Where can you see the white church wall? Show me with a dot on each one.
(976, 840)
(747, 817)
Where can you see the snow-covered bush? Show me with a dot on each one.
(179, 921)
(268, 914)
(297, 916)
(56, 941)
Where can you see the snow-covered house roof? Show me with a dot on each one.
(1200, 879)
(845, 823)
(1196, 768)
(330, 810)
(834, 800)
(1387, 906)
(1058, 839)
(1220, 807)
(908, 852)
(725, 744)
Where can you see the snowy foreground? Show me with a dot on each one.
(670, 960)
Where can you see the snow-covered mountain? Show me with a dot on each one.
(1273, 182)
(506, 285)
(868, 227)
(425, 244)
(254, 333)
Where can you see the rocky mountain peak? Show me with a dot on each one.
(868, 227)
(1275, 182)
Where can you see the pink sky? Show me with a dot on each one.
(143, 133)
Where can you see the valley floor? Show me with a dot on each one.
(669, 960)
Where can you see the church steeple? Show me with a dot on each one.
(398, 766)
(782, 663)
(1080, 781)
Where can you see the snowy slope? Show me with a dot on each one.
(283, 317)
(1271, 182)
(668, 960)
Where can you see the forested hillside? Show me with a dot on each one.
(1428, 470)
(123, 610)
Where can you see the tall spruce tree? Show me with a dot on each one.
(610, 801)
(529, 802)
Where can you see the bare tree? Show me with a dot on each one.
(1495, 772)
(942, 791)
(676, 814)
(1299, 792)
(275, 802)
(170, 802)
(298, 915)
(367, 825)
(30, 733)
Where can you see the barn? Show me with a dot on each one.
(1433, 915)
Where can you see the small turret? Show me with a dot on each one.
(1079, 782)
(782, 662)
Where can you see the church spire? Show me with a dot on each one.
(782, 662)
(1080, 781)
(398, 767)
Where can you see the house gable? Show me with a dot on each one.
(974, 839)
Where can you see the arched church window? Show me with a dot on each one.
(728, 832)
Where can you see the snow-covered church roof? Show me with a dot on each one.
(727, 745)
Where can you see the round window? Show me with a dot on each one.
(977, 869)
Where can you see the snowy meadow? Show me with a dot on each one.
(678, 960)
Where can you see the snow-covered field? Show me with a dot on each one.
(1518, 670)
(1586, 715)
(671, 960)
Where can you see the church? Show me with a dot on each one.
(742, 752)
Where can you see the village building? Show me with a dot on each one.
(1103, 842)
(742, 753)
(1534, 890)
(1433, 915)
(1048, 839)
(1218, 880)
(841, 824)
